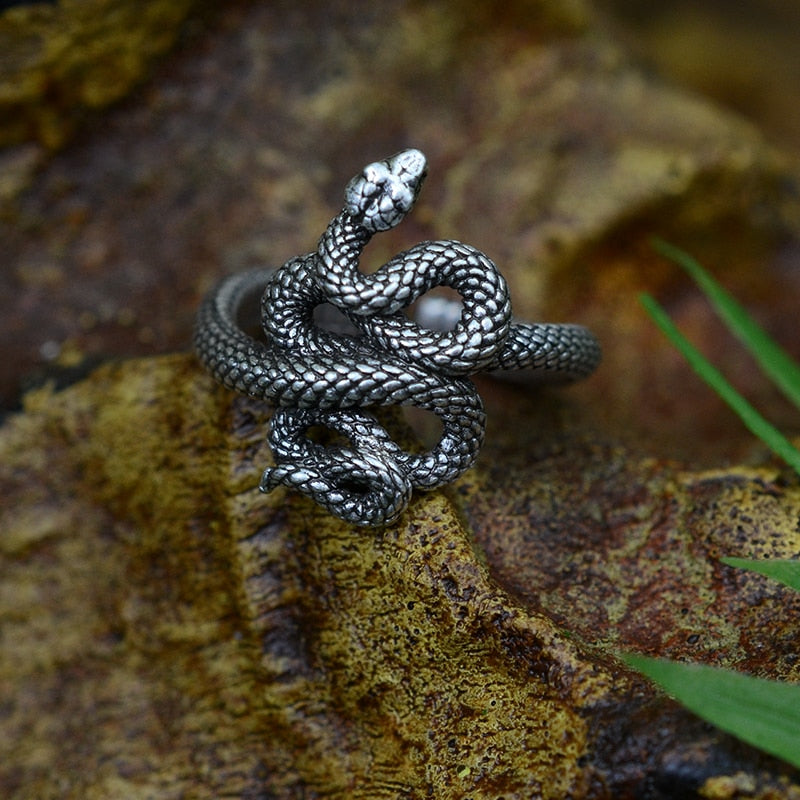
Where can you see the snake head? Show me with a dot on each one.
(385, 191)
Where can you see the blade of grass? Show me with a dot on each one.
(784, 570)
(754, 422)
(764, 713)
(771, 357)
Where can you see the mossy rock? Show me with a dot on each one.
(58, 60)
(171, 632)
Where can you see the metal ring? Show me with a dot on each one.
(325, 375)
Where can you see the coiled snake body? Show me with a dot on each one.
(319, 377)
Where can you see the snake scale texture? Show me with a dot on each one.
(316, 376)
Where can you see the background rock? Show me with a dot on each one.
(169, 632)
(58, 60)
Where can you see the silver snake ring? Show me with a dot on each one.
(325, 375)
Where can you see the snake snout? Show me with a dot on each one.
(410, 169)
(410, 165)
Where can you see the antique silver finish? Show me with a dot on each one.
(316, 376)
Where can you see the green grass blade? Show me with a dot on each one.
(771, 357)
(764, 713)
(784, 570)
(754, 422)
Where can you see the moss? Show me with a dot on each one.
(169, 630)
(59, 60)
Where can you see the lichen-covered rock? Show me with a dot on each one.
(170, 632)
(59, 59)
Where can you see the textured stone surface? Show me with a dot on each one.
(168, 632)
(57, 60)
(633, 561)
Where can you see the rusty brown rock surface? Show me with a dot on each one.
(623, 548)
(170, 632)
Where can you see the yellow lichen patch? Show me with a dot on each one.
(414, 643)
(379, 660)
(57, 59)
(160, 612)
(742, 785)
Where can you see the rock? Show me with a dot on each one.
(168, 631)
(60, 59)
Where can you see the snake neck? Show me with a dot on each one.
(339, 253)
(338, 257)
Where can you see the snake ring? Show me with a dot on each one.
(326, 375)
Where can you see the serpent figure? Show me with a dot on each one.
(316, 376)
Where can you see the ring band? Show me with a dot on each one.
(327, 374)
